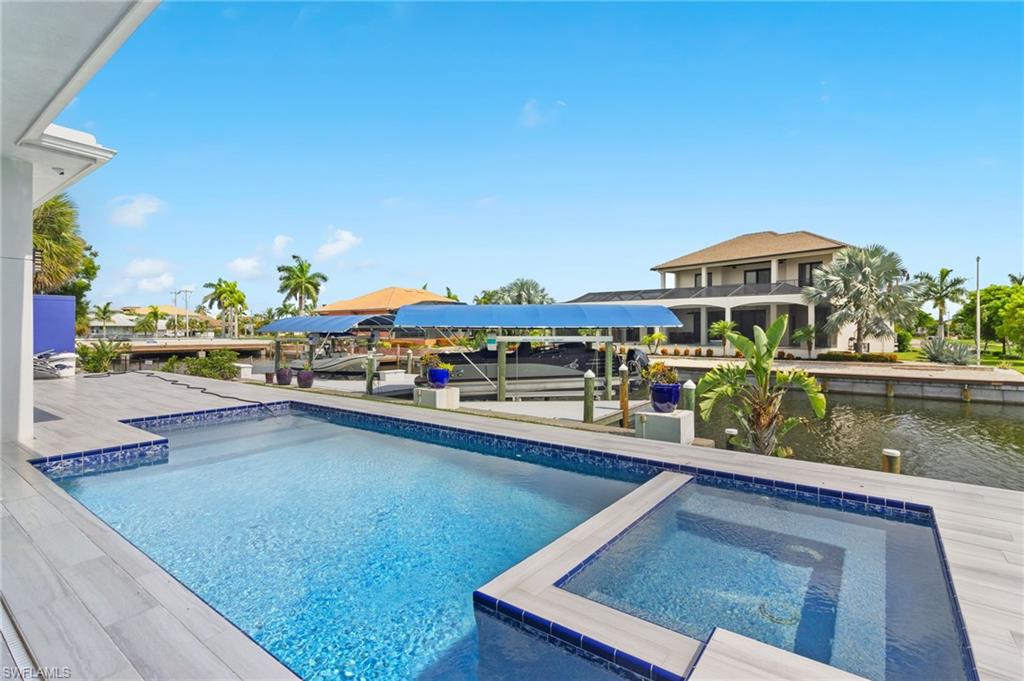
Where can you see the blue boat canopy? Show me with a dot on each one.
(324, 324)
(561, 316)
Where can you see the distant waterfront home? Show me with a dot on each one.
(749, 279)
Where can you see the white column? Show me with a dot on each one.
(664, 278)
(703, 325)
(725, 343)
(704, 275)
(810, 319)
(775, 270)
(16, 295)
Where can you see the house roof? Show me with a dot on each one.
(169, 311)
(754, 245)
(383, 301)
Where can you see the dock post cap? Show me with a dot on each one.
(891, 452)
(623, 367)
(589, 374)
(731, 431)
(689, 385)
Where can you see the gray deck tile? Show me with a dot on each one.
(28, 579)
(64, 634)
(33, 511)
(64, 545)
(160, 647)
(236, 649)
(107, 591)
(200, 618)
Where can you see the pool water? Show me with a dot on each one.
(345, 553)
(863, 593)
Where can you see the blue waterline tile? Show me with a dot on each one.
(598, 648)
(633, 663)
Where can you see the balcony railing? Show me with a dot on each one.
(785, 287)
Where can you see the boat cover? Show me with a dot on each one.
(561, 316)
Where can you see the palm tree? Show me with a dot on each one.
(104, 314)
(298, 281)
(1016, 279)
(55, 234)
(227, 297)
(805, 335)
(523, 292)
(285, 309)
(942, 290)
(150, 322)
(867, 287)
(757, 405)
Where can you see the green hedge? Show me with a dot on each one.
(857, 357)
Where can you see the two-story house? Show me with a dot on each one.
(749, 279)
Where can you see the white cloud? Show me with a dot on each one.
(133, 211)
(281, 242)
(529, 115)
(146, 267)
(156, 284)
(340, 241)
(534, 114)
(246, 268)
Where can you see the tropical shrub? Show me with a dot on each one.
(686, 352)
(658, 372)
(172, 364)
(946, 352)
(663, 351)
(857, 357)
(96, 358)
(903, 340)
(217, 364)
(677, 352)
(757, 405)
(653, 340)
(709, 352)
(720, 328)
(804, 335)
(790, 355)
(432, 360)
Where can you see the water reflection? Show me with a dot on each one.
(981, 444)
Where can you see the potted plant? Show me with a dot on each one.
(284, 376)
(305, 378)
(269, 377)
(665, 388)
(438, 372)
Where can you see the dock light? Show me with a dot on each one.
(730, 433)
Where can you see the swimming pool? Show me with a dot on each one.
(344, 552)
(862, 592)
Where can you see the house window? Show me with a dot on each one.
(697, 280)
(806, 272)
(757, 276)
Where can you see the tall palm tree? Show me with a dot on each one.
(942, 290)
(55, 234)
(300, 282)
(104, 314)
(228, 298)
(867, 287)
(523, 291)
(1016, 279)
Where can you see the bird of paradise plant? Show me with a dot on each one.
(757, 404)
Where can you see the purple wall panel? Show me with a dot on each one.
(53, 326)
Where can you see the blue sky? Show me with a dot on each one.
(578, 144)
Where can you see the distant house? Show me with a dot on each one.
(123, 322)
(749, 279)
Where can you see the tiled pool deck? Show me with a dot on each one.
(83, 598)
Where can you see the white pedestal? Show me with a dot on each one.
(392, 376)
(445, 398)
(676, 427)
(244, 371)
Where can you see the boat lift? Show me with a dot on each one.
(558, 316)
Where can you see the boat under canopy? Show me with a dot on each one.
(559, 316)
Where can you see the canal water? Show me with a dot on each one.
(981, 444)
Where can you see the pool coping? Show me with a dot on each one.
(980, 527)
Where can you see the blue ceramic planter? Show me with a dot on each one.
(665, 397)
(438, 378)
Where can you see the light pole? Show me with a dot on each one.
(174, 298)
(186, 291)
(977, 309)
